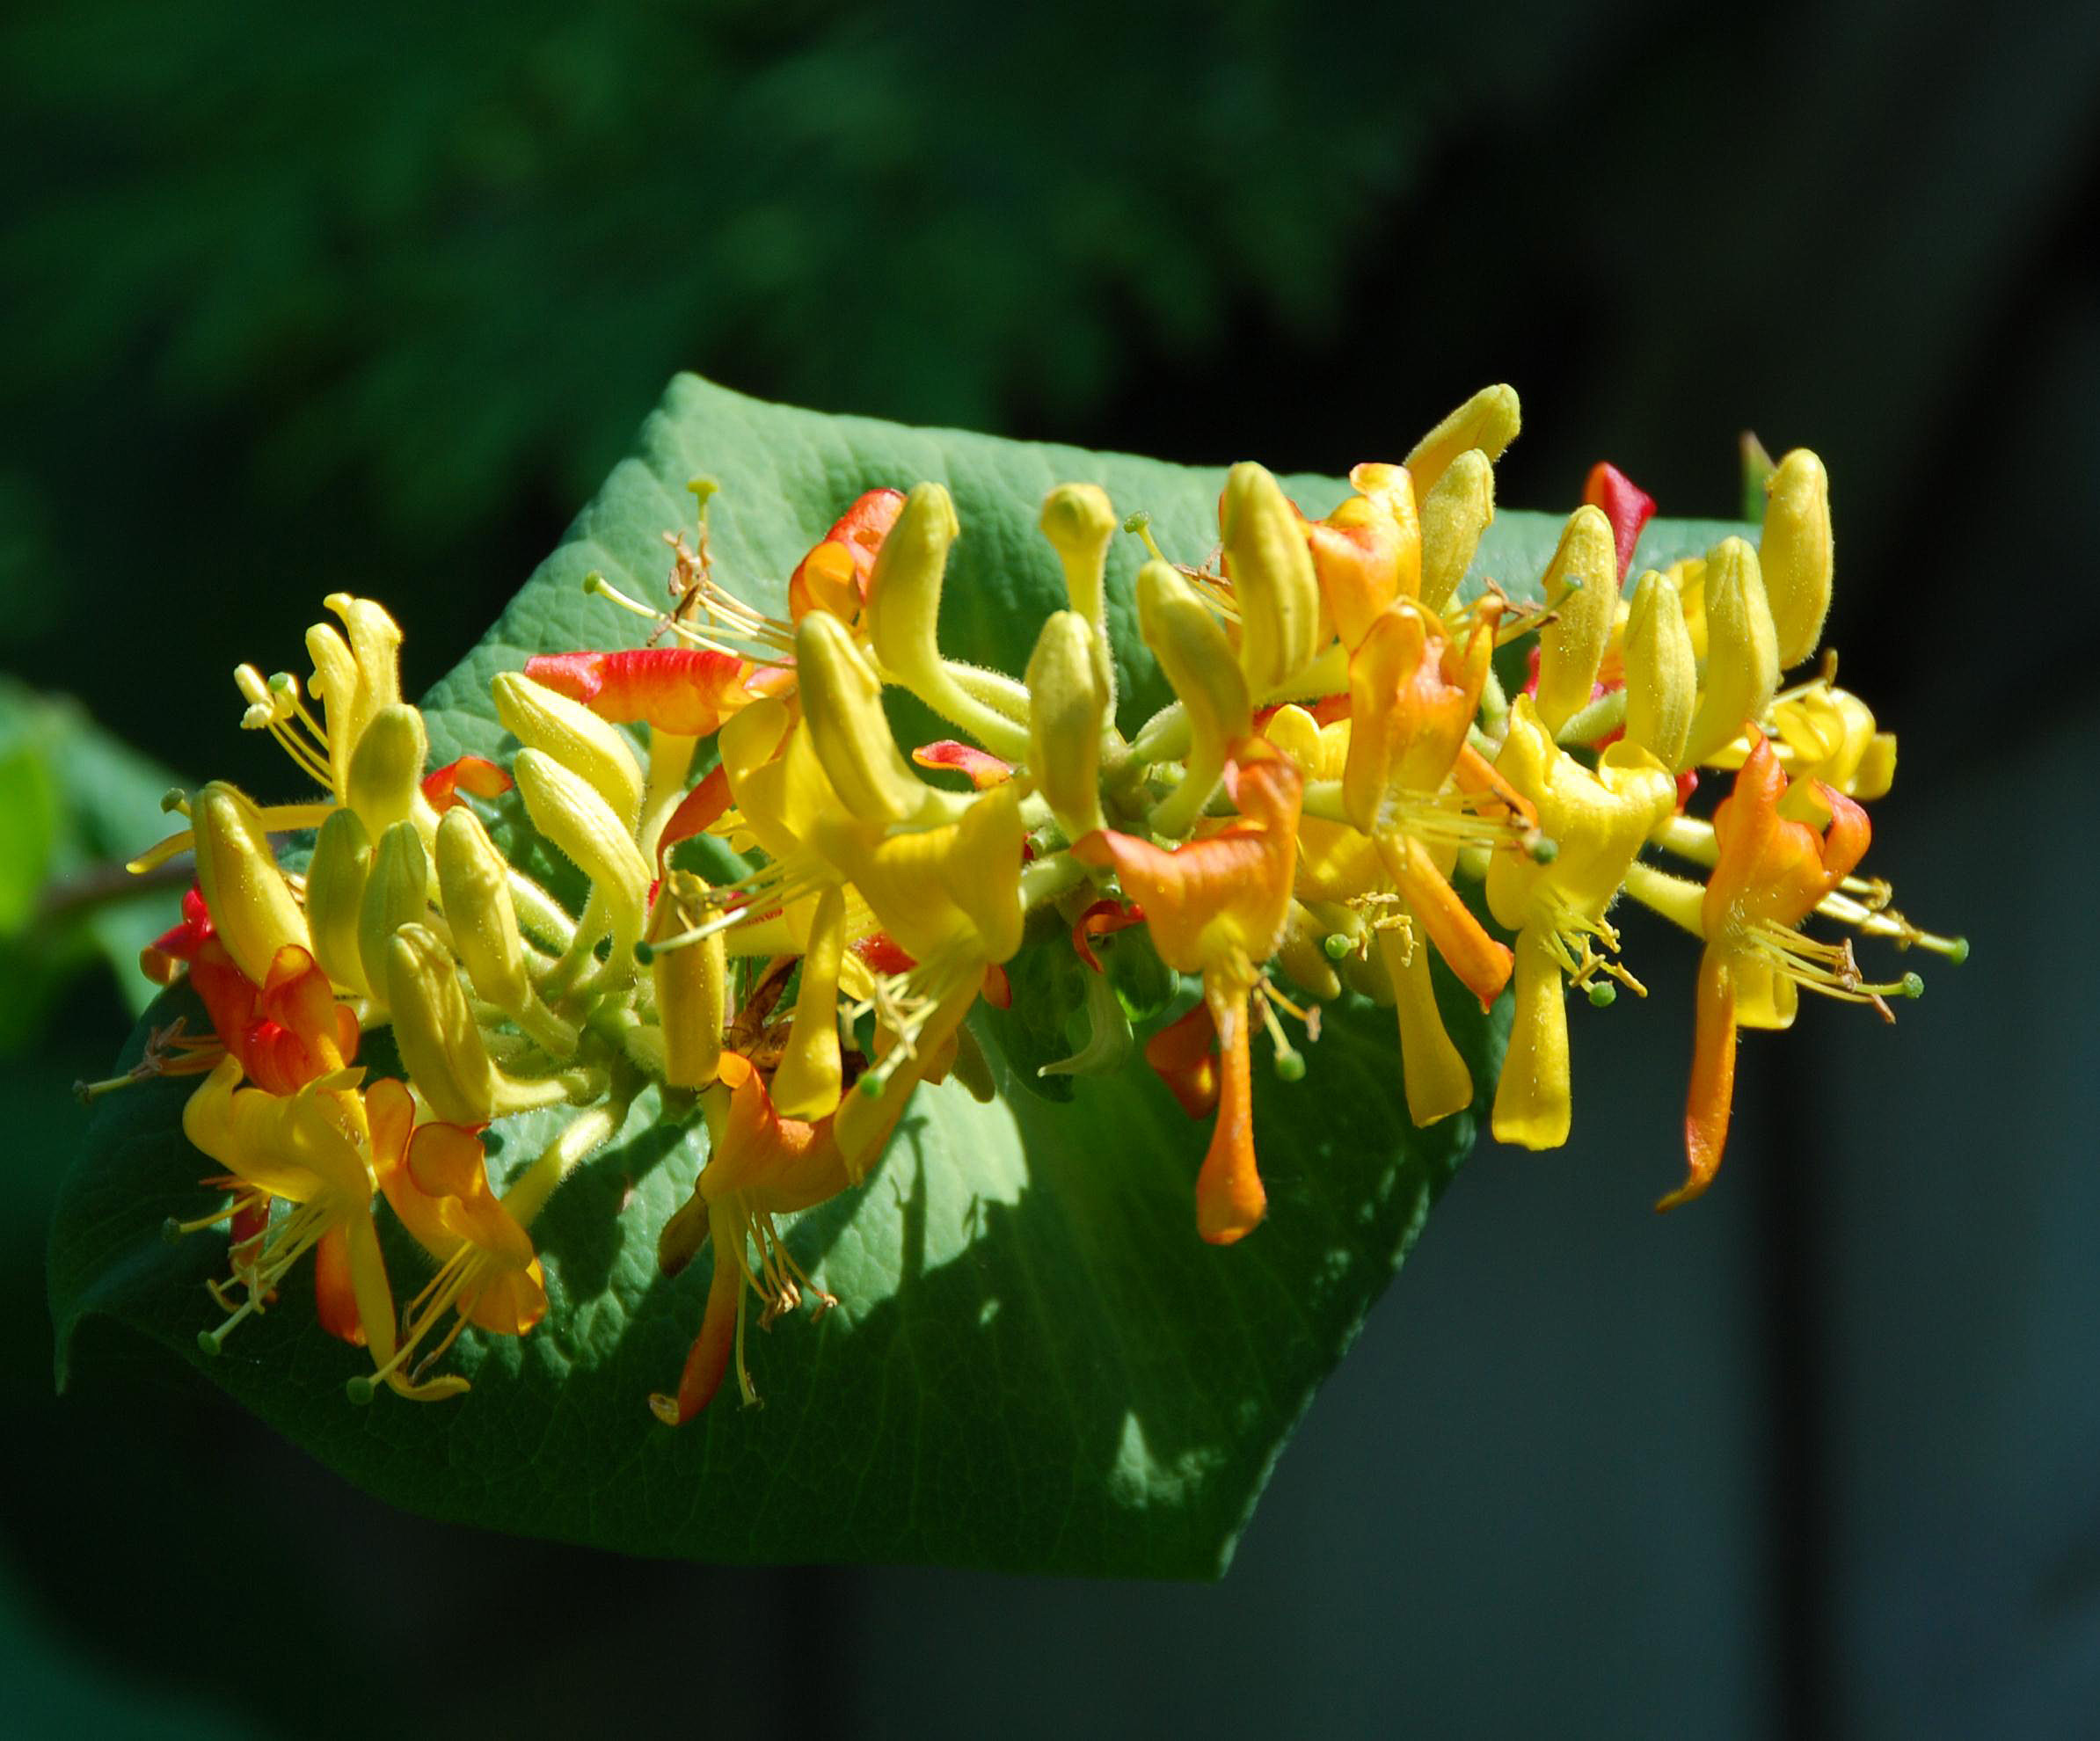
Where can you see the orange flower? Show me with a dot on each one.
(1770, 873)
(834, 575)
(1216, 907)
(761, 1165)
(436, 1177)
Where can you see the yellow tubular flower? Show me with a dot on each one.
(1066, 714)
(306, 1149)
(1079, 520)
(1435, 1078)
(1271, 568)
(1488, 421)
(807, 1082)
(568, 810)
(841, 700)
(441, 1047)
(1797, 553)
(386, 767)
(251, 903)
(1598, 820)
(903, 621)
(1454, 513)
(1581, 586)
(1742, 652)
(335, 893)
(1199, 663)
(476, 885)
(397, 894)
(355, 679)
(1662, 677)
(691, 985)
(542, 718)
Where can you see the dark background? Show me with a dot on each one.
(316, 297)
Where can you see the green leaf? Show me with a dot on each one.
(1035, 1364)
(76, 803)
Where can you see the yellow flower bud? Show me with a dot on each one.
(1079, 522)
(386, 767)
(1742, 652)
(569, 812)
(541, 719)
(1798, 554)
(1662, 677)
(904, 588)
(475, 884)
(1198, 659)
(808, 1084)
(1271, 567)
(1489, 421)
(397, 894)
(441, 1047)
(842, 699)
(1581, 586)
(251, 903)
(1454, 513)
(335, 894)
(691, 987)
(1067, 712)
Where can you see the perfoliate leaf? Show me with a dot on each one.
(1035, 1364)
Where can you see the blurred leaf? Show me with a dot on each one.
(74, 805)
(1035, 1364)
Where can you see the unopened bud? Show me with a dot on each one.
(441, 1047)
(397, 894)
(475, 884)
(1742, 652)
(335, 893)
(252, 906)
(807, 1085)
(1454, 513)
(842, 699)
(691, 988)
(904, 590)
(1581, 588)
(543, 719)
(1198, 659)
(1079, 523)
(1066, 711)
(1798, 554)
(1271, 567)
(386, 767)
(1489, 421)
(568, 810)
(1662, 677)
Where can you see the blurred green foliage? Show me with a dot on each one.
(446, 246)
(74, 805)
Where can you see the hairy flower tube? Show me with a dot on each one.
(755, 915)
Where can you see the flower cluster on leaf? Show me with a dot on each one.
(1368, 778)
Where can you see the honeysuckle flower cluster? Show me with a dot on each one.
(1365, 781)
